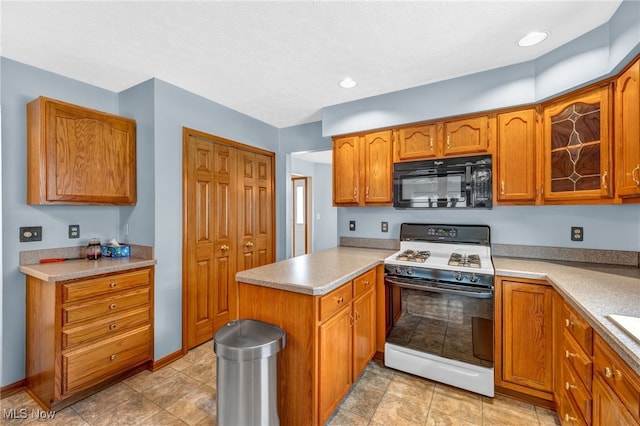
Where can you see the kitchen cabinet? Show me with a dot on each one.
(627, 117)
(524, 337)
(443, 138)
(577, 145)
(330, 340)
(517, 166)
(85, 334)
(229, 224)
(77, 155)
(362, 169)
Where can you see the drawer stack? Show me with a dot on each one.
(103, 331)
(577, 369)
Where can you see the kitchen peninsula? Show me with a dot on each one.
(314, 295)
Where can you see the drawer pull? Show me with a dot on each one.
(569, 386)
(568, 322)
(366, 283)
(113, 285)
(357, 316)
(112, 306)
(351, 321)
(568, 354)
(112, 327)
(113, 357)
(607, 372)
(340, 300)
(569, 418)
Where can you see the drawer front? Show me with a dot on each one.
(364, 282)
(332, 302)
(93, 363)
(104, 286)
(105, 327)
(575, 356)
(615, 372)
(578, 327)
(569, 414)
(73, 313)
(575, 389)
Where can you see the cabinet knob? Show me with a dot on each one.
(112, 306)
(113, 285)
(113, 357)
(569, 418)
(357, 316)
(604, 180)
(431, 144)
(569, 386)
(355, 193)
(607, 372)
(366, 194)
(340, 300)
(249, 244)
(224, 247)
(634, 174)
(351, 321)
(568, 322)
(448, 142)
(112, 327)
(568, 354)
(502, 187)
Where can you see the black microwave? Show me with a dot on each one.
(462, 182)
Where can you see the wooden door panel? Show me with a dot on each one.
(364, 331)
(346, 172)
(417, 143)
(378, 167)
(466, 136)
(627, 111)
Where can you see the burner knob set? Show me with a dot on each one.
(474, 278)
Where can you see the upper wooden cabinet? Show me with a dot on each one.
(362, 169)
(577, 147)
(516, 166)
(77, 155)
(444, 138)
(627, 117)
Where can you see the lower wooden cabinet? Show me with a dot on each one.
(85, 334)
(524, 344)
(330, 340)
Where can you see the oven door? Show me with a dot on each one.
(430, 188)
(443, 319)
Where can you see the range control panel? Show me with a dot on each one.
(442, 232)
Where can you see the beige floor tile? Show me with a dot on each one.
(438, 418)
(373, 379)
(347, 418)
(65, 417)
(412, 388)
(147, 379)
(134, 411)
(164, 418)
(457, 403)
(396, 410)
(170, 390)
(203, 372)
(195, 406)
(547, 417)
(363, 401)
(92, 407)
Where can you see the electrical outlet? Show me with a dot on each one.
(577, 233)
(74, 231)
(352, 225)
(384, 226)
(30, 233)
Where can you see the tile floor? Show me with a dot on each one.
(183, 393)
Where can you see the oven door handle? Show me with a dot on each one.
(477, 295)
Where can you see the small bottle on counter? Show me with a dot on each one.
(94, 249)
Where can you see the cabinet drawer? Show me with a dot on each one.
(332, 302)
(93, 363)
(569, 414)
(615, 372)
(575, 356)
(72, 313)
(578, 327)
(576, 390)
(105, 327)
(104, 285)
(364, 282)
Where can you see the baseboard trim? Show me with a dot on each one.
(13, 388)
(163, 362)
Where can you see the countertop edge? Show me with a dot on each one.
(63, 271)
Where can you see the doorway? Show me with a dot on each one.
(301, 230)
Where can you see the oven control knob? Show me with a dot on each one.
(409, 270)
(458, 276)
(399, 270)
(474, 279)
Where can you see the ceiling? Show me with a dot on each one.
(280, 62)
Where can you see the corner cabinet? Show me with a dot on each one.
(77, 155)
(363, 169)
(86, 334)
(577, 145)
(524, 343)
(516, 166)
(627, 117)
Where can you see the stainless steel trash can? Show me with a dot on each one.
(246, 371)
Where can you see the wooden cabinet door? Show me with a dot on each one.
(264, 211)
(466, 136)
(416, 143)
(608, 410)
(526, 337)
(364, 331)
(627, 117)
(577, 146)
(334, 366)
(378, 171)
(346, 171)
(78, 155)
(516, 167)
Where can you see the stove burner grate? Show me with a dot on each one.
(419, 256)
(469, 261)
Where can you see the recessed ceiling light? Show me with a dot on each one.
(533, 38)
(348, 83)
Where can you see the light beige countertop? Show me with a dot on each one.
(594, 290)
(315, 273)
(83, 268)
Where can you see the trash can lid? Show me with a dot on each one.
(245, 340)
